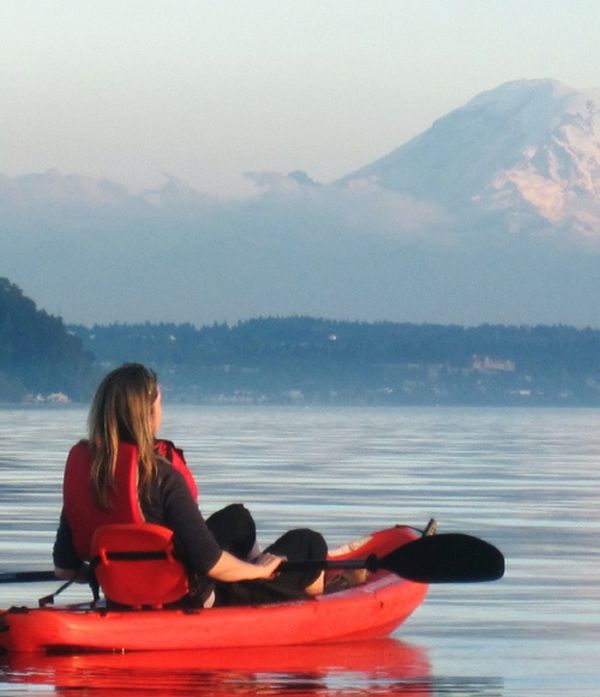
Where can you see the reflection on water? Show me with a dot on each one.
(380, 667)
(368, 668)
(527, 480)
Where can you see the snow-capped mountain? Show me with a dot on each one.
(421, 235)
(529, 150)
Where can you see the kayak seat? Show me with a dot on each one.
(135, 566)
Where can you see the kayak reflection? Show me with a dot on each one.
(382, 666)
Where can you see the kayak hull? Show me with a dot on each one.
(367, 611)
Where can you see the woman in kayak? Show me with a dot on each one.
(220, 554)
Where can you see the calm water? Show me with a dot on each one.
(526, 480)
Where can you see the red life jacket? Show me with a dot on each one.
(82, 511)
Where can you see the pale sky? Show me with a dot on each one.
(203, 91)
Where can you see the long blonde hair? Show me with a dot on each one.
(122, 411)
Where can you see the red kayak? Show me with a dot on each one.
(369, 610)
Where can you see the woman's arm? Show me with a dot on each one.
(66, 561)
(64, 574)
(229, 568)
(80, 575)
(176, 509)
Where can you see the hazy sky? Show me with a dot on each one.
(203, 91)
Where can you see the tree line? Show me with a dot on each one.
(329, 361)
(302, 360)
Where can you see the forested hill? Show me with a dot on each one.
(39, 359)
(301, 360)
(308, 360)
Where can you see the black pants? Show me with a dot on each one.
(235, 531)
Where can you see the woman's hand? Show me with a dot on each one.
(229, 568)
(269, 562)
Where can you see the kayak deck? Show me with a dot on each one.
(372, 609)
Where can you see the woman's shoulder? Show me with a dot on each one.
(175, 457)
(170, 487)
(165, 469)
(168, 478)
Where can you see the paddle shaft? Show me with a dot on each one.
(28, 576)
(307, 565)
(448, 558)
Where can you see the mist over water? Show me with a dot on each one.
(526, 480)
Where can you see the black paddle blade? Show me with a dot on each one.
(447, 558)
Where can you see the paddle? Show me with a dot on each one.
(446, 558)
(27, 576)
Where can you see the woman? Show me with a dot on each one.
(219, 554)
